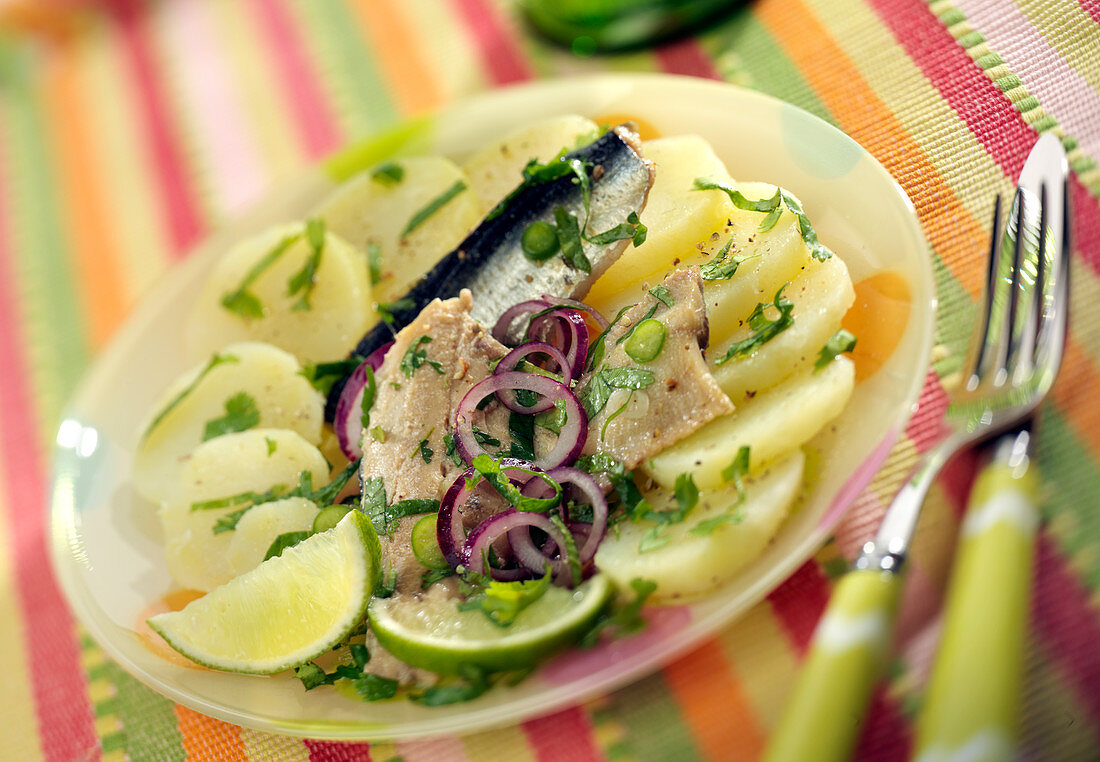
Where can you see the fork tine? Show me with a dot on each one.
(1051, 335)
(1025, 360)
(1009, 344)
(986, 312)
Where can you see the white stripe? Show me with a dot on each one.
(989, 745)
(842, 632)
(1010, 506)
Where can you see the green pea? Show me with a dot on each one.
(539, 241)
(647, 341)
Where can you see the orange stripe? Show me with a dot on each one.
(1075, 394)
(92, 241)
(399, 54)
(209, 739)
(714, 704)
(950, 228)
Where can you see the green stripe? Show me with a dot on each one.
(746, 53)
(1028, 105)
(112, 742)
(51, 303)
(148, 720)
(955, 319)
(1072, 480)
(357, 89)
(655, 728)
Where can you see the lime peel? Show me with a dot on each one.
(433, 634)
(285, 612)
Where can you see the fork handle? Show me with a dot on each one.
(824, 714)
(973, 694)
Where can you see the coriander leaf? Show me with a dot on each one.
(840, 342)
(241, 301)
(377, 434)
(722, 267)
(450, 451)
(386, 309)
(732, 515)
(389, 174)
(212, 363)
(374, 688)
(374, 261)
(552, 419)
(451, 693)
(596, 348)
(569, 236)
(284, 541)
(631, 229)
(311, 675)
(386, 588)
(817, 249)
(570, 549)
(322, 376)
(625, 618)
(596, 392)
(501, 602)
(433, 206)
(521, 430)
(594, 396)
(271, 445)
(737, 470)
(764, 328)
(370, 389)
(535, 174)
(305, 279)
(429, 578)
(241, 414)
(661, 293)
(652, 539)
(484, 439)
(489, 469)
(425, 452)
(242, 498)
(738, 199)
(415, 357)
(686, 493)
(359, 654)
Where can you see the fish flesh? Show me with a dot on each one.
(491, 262)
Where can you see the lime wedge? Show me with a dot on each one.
(433, 634)
(286, 611)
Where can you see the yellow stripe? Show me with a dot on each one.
(100, 691)
(760, 655)
(260, 745)
(16, 700)
(493, 745)
(269, 124)
(451, 58)
(1052, 19)
(121, 163)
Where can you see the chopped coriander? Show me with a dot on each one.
(386, 587)
(570, 549)
(212, 363)
(484, 439)
(241, 414)
(385, 521)
(386, 309)
(595, 394)
(661, 293)
(450, 451)
(653, 538)
(371, 687)
(284, 541)
(625, 618)
(596, 348)
(521, 430)
(722, 267)
(840, 342)
(569, 236)
(415, 357)
(554, 418)
(764, 328)
(389, 174)
(373, 500)
(322, 376)
(539, 241)
(271, 445)
(632, 229)
(647, 342)
(370, 389)
(490, 470)
(501, 602)
(686, 493)
(433, 206)
(817, 249)
(374, 261)
(539, 174)
(430, 577)
(476, 682)
(359, 654)
(737, 470)
(426, 452)
(305, 279)
(732, 515)
(377, 434)
(241, 301)
(311, 675)
(739, 200)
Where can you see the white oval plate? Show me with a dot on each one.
(105, 540)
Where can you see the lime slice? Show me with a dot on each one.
(286, 611)
(433, 634)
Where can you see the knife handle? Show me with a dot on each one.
(973, 694)
(823, 717)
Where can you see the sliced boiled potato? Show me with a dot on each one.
(258, 528)
(248, 296)
(771, 425)
(373, 210)
(496, 169)
(231, 465)
(719, 537)
(677, 217)
(821, 294)
(261, 383)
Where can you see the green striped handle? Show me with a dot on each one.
(823, 717)
(971, 706)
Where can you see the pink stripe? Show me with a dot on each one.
(447, 748)
(50, 648)
(215, 105)
(886, 735)
(1047, 76)
(1064, 617)
(180, 207)
(565, 735)
(685, 56)
(501, 57)
(337, 751)
(988, 114)
(1092, 7)
(859, 479)
(316, 124)
(927, 426)
(799, 602)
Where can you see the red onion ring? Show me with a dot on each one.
(566, 329)
(509, 362)
(573, 432)
(503, 524)
(502, 330)
(579, 306)
(375, 358)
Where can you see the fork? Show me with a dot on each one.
(1016, 354)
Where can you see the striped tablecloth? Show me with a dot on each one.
(131, 128)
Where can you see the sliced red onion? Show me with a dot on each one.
(577, 305)
(509, 362)
(593, 495)
(502, 331)
(375, 358)
(348, 421)
(504, 524)
(449, 530)
(573, 431)
(566, 329)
